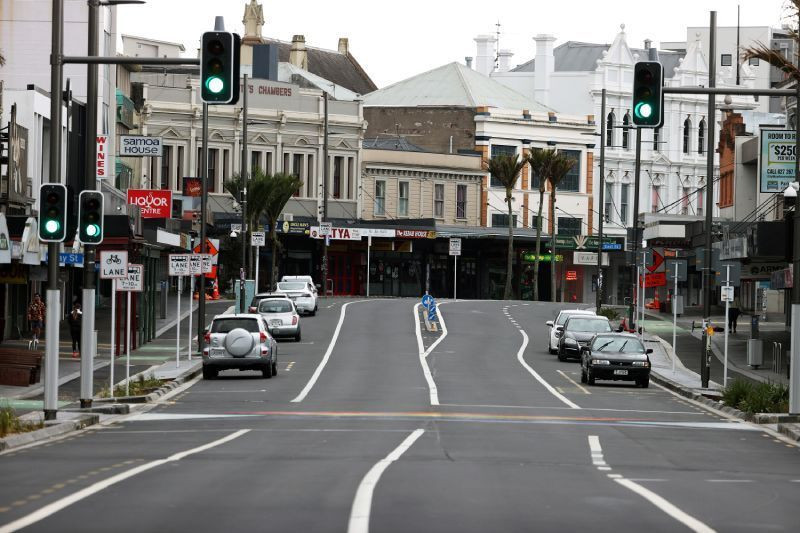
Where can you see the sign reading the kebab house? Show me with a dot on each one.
(415, 234)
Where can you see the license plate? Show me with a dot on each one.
(620, 372)
(217, 352)
(275, 323)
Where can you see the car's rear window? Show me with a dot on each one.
(275, 306)
(292, 286)
(225, 325)
(596, 325)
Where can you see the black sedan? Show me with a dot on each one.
(576, 333)
(616, 356)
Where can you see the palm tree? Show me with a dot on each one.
(775, 58)
(268, 195)
(559, 168)
(506, 169)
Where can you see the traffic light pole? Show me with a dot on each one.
(635, 246)
(601, 198)
(201, 290)
(245, 229)
(53, 311)
(88, 348)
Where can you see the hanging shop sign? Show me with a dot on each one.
(154, 203)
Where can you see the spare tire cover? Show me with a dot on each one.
(239, 342)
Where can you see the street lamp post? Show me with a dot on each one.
(601, 198)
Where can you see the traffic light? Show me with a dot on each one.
(90, 217)
(648, 96)
(219, 67)
(52, 212)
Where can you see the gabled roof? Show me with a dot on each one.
(575, 56)
(341, 69)
(289, 73)
(453, 84)
(395, 143)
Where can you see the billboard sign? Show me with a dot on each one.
(776, 159)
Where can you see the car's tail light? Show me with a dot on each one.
(251, 309)
(263, 337)
(294, 320)
(207, 338)
(264, 350)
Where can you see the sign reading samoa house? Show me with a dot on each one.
(139, 146)
(153, 203)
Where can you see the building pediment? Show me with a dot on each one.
(170, 133)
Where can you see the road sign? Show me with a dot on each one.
(134, 282)
(455, 246)
(208, 263)
(179, 265)
(736, 273)
(432, 312)
(654, 261)
(677, 266)
(325, 228)
(427, 300)
(113, 264)
(258, 238)
(727, 293)
(195, 264)
(655, 279)
(236, 227)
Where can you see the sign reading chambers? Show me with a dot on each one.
(777, 159)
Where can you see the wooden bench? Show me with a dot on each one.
(19, 367)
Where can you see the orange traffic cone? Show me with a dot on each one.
(215, 294)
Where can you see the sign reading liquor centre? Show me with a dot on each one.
(776, 160)
(154, 203)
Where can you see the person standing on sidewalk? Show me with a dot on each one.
(74, 319)
(733, 315)
(36, 313)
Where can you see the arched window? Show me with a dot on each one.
(687, 132)
(610, 129)
(626, 121)
(701, 136)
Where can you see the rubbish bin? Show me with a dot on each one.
(755, 352)
(162, 300)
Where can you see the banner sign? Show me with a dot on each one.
(139, 146)
(134, 282)
(415, 234)
(776, 159)
(341, 234)
(102, 171)
(293, 228)
(154, 203)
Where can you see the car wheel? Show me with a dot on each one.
(275, 368)
(266, 371)
(589, 377)
(644, 382)
(583, 375)
(209, 373)
(297, 337)
(313, 313)
(551, 350)
(561, 356)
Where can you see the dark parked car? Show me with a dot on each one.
(618, 356)
(576, 333)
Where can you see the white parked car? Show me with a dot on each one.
(240, 342)
(552, 337)
(301, 293)
(281, 316)
(307, 279)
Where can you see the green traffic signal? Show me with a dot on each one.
(52, 212)
(215, 84)
(90, 217)
(52, 226)
(219, 67)
(643, 110)
(648, 81)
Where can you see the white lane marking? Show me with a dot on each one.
(492, 406)
(581, 387)
(423, 354)
(647, 479)
(536, 375)
(667, 507)
(362, 504)
(82, 494)
(321, 366)
(729, 480)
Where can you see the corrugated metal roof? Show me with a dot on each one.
(289, 73)
(453, 84)
(574, 56)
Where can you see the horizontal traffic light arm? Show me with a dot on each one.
(731, 91)
(112, 60)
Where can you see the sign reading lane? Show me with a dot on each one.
(134, 282)
(113, 264)
(179, 265)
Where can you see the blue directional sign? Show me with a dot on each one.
(612, 246)
(432, 312)
(427, 300)
(67, 258)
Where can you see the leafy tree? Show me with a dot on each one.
(559, 168)
(506, 169)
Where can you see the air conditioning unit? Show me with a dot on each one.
(288, 217)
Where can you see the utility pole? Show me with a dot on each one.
(601, 198)
(53, 295)
(705, 357)
(88, 346)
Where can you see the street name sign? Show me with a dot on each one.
(113, 264)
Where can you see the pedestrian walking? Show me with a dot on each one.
(733, 315)
(36, 314)
(75, 318)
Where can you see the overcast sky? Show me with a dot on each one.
(395, 40)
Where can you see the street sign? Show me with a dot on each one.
(208, 263)
(258, 238)
(134, 282)
(325, 228)
(113, 264)
(195, 264)
(736, 273)
(432, 312)
(654, 261)
(455, 246)
(140, 146)
(679, 267)
(655, 279)
(179, 265)
(572, 275)
(236, 227)
(427, 300)
(727, 293)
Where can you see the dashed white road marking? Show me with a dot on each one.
(581, 387)
(660, 502)
(362, 504)
(82, 494)
(729, 480)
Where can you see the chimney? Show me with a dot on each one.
(298, 55)
(545, 65)
(484, 60)
(468, 61)
(504, 60)
(344, 45)
(647, 44)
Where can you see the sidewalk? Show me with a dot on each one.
(769, 332)
(146, 357)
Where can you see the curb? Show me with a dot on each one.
(791, 432)
(156, 394)
(22, 439)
